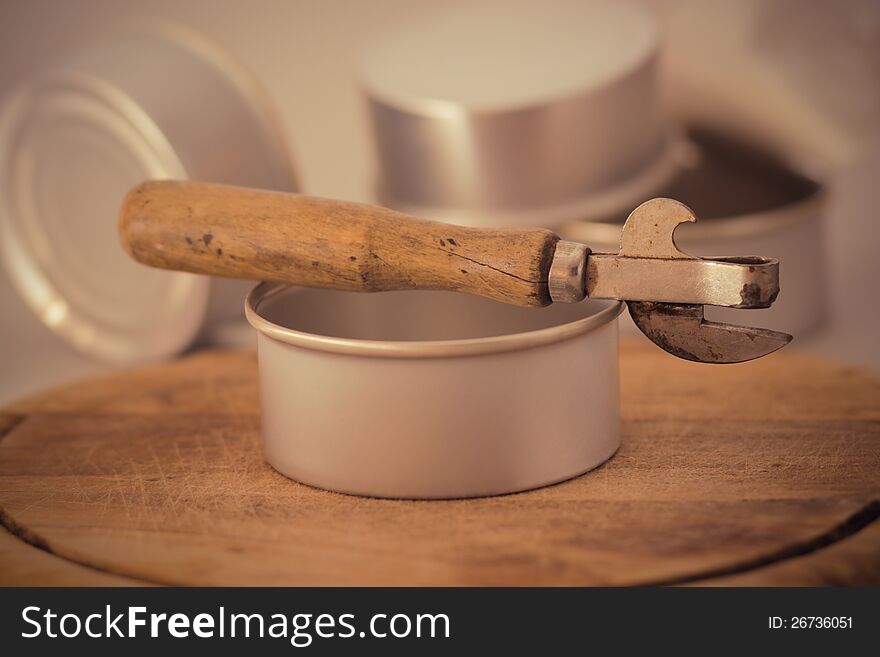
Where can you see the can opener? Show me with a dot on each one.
(290, 238)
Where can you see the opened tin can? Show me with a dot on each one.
(433, 394)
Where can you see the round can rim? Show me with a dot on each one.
(50, 306)
(417, 348)
(31, 280)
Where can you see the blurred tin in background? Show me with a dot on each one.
(504, 113)
(555, 119)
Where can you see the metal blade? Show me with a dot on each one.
(682, 330)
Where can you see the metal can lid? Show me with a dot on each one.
(74, 140)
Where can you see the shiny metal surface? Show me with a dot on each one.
(734, 282)
(74, 138)
(433, 394)
(567, 280)
(476, 129)
(537, 326)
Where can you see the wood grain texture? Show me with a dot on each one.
(22, 564)
(843, 563)
(725, 471)
(290, 238)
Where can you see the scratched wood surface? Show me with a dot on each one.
(761, 473)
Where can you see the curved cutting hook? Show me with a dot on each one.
(681, 330)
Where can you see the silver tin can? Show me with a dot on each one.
(149, 100)
(433, 394)
(507, 113)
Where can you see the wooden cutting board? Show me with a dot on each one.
(761, 473)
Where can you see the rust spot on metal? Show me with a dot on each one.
(751, 295)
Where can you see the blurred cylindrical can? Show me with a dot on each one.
(505, 113)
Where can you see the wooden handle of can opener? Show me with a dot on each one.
(290, 238)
